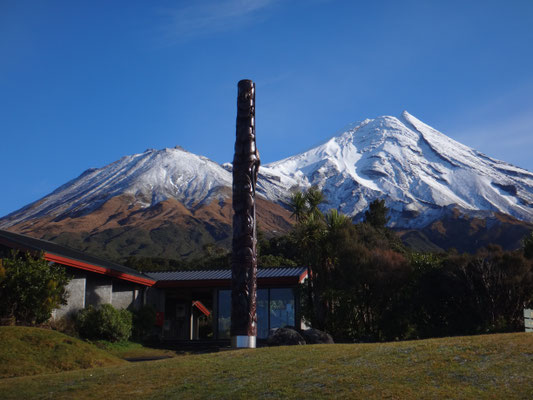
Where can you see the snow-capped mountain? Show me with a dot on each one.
(168, 203)
(422, 174)
(146, 178)
(419, 171)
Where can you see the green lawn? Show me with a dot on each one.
(490, 366)
(134, 350)
(30, 351)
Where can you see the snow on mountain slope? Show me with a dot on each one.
(421, 173)
(148, 178)
(418, 170)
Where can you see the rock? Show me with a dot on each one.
(286, 336)
(314, 336)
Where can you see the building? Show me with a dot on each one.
(197, 304)
(190, 305)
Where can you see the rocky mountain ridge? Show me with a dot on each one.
(420, 172)
(423, 175)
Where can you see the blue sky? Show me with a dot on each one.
(83, 83)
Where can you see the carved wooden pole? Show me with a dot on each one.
(244, 261)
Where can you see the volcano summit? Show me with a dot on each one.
(419, 171)
(142, 200)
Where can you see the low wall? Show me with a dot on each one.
(75, 297)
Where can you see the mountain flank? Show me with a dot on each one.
(167, 229)
(171, 203)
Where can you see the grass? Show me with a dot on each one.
(133, 350)
(490, 366)
(31, 351)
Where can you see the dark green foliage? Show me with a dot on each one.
(366, 286)
(272, 261)
(279, 251)
(169, 241)
(305, 204)
(358, 286)
(468, 294)
(314, 198)
(213, 257)
(355, 269)
(528, 246)
(104, 323)
(298, 205)
(143, 322)
(376, 215)
(30, 288)
(152, 264)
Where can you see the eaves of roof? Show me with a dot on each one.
(73, 258)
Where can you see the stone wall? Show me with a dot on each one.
(75, 296)
(98, 290)
(126, 295)
(87, 288)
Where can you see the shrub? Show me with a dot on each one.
(376, 215)
(528, 246)
(65, 324)
(104, 323)
(30, 288)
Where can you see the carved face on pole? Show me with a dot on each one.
(244, 262)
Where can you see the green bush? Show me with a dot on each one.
(143, 322)
(528, 246)
(30, 288)
(104, 323)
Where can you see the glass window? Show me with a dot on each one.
(274, 312)
(224, 314)
(262, 313)
(281, 307)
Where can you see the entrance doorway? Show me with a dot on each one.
(188, 315)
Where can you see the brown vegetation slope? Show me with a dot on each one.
(468, 234)
(119, 228)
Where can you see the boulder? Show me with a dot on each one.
(314, 336)
(286, 336)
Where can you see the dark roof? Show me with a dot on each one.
(225, 274)
(77, 259)
(71, 257)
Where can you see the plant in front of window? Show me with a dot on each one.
(30, 288)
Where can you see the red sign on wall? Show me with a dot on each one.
(159, 318)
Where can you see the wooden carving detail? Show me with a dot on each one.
(244, 262)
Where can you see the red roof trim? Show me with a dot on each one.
(79, 264)
(303, 275)
(272, 281)
(99, 270)
(201, 307)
